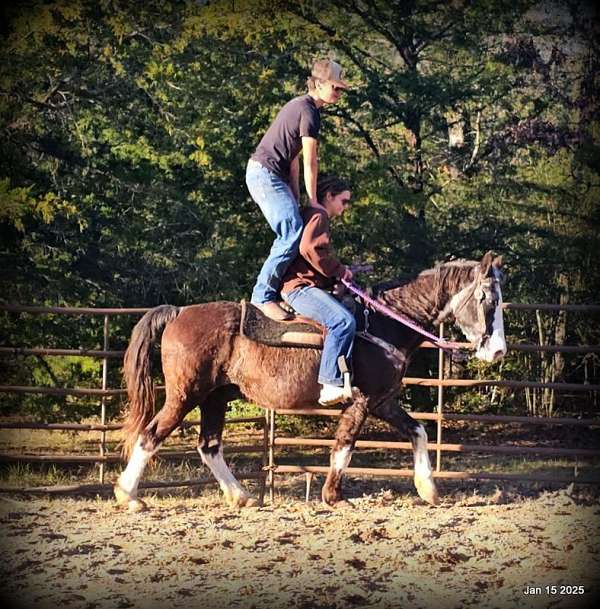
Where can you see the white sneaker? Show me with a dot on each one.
(331, 394)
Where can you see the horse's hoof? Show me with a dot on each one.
(332, 498)
(126, 501)
(340, 505)
(251, 502)
(427, 490)
(242, 499)
(122, 496)
(136, 505)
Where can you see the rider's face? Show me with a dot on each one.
(336, 205)
(329, 92)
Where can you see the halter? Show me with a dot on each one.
(409, 323)
(470, 292)
(445, 312)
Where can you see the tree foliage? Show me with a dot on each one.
(126, 128)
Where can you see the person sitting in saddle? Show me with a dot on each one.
(312, 273)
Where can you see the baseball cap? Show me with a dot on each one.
(326, 69)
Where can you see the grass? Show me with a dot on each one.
(17, 475)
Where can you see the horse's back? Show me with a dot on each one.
(201, 322)
(196, 346)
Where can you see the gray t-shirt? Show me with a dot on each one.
(281, 143)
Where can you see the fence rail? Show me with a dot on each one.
(426, 345)
(448, 416)
(270, 439)
(116, 458)
(423, 382)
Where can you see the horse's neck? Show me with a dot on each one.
(423, 298)
(403, 338)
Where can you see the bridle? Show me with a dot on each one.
(483, 303)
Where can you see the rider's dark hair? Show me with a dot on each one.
(330, 183)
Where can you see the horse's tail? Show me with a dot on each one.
(137, 372)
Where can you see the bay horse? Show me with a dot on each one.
(207, 363)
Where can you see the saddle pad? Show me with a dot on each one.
(298, 332)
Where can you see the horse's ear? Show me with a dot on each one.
(497, 262)
(486, 263)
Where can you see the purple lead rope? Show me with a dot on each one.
(442, 344)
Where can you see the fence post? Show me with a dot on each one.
(265, 457)
(103, 400)
(440, 404)
(271, 455)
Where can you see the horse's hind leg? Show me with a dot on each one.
(349, 427)
(146, 446)
(394, 415)
(210, 446)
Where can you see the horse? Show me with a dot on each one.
(206, 362)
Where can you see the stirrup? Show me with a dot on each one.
(343, 366)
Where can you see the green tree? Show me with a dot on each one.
(127, 126)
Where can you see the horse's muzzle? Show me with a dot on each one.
(492, 348)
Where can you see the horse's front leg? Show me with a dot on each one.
(394, 415)
(349, 427)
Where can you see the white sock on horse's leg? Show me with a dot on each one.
(130, 477)
(423, 471)
(340, 459)
(331, 492)
(234, 492)
(421, 455)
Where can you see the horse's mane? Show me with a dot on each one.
(422, 296)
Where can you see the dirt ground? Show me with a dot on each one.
(483, 547)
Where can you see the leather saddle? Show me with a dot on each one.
(297, 332)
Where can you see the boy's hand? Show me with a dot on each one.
(316, 204)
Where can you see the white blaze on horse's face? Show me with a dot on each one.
(495, 346)
(478, 311)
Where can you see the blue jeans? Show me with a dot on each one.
(280, 208)
(339, 340)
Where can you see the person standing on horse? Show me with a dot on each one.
(272, 177)
(314, 271)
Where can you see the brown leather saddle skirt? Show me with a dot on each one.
(297, 332)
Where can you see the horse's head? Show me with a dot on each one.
(477, 310)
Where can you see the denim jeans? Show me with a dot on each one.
(339, 340)
(280, 208)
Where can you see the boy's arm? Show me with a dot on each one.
(311, 169)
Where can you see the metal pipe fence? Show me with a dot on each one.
(270, 439)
